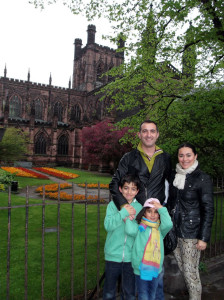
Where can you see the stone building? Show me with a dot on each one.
(53, 116)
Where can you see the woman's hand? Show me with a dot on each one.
(201, 245)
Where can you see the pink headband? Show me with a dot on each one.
(148, 202)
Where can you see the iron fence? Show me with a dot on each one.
(67, 220)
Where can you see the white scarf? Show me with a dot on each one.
(180, 177)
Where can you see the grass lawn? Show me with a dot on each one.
(88, 177)
(17, 243)
(17, 249)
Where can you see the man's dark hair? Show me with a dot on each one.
(148, 121)
(128, 178)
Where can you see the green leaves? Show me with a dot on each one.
(173, 70)
(14, 145)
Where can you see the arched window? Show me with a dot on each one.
(58, 111)
(40, 144)
(76, 113)
(38, 109)
(110, 77)
(99, 72)
(63, 145)
(15, 107)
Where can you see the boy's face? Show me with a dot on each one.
(129, 191)
(151, 214)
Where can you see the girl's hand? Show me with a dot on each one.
(156, 204)
(201, 245)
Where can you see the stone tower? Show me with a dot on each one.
(92, 61)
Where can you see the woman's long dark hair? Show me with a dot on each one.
(188, 145)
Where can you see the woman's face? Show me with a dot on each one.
(186, 157)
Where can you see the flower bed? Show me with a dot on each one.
(57, 173)
(51, 192)
(53, 187)
(23, 172)
(94, 185)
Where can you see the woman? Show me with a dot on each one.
(191, 201)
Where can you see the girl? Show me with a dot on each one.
(148, 250)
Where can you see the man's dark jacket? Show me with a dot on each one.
(194, 206)
(152, 184)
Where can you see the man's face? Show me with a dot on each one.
(148, 135)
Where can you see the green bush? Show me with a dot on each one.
(6, 178)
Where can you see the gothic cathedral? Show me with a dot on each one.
(53, 116)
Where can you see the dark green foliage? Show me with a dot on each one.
(14, 145)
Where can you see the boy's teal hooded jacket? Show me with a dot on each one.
(118, 244)
(142, 238)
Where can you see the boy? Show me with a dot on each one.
(118, 245)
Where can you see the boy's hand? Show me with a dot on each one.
(156, 204)
(130, 209)
(131, 217)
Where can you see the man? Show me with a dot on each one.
(152, 165)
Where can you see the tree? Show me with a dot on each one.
(14, 145)
(156, 29)
(198, 119)
(175, 55)
(101, 144)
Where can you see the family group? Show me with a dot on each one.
(148, 200)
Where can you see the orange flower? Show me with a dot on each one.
(57, 173)
(51, 191)
(53, 187)
(94, 185)
(23, 172)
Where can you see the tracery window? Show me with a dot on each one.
(15, 107)
(40, 144)
(99, 72)
(63, 145)
(76, 113)
(110, 77)
(38, 109)
(58, 111)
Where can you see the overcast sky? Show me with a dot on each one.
(42, 41)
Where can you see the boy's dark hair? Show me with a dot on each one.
(128, 178)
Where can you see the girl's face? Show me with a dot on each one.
(186, 157)
(151, 214)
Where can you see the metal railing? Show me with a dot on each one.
(39, 207)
